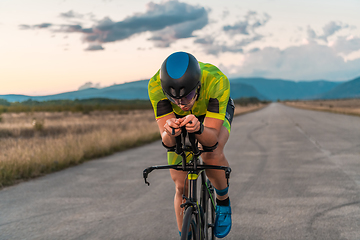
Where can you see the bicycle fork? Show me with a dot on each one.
(191, 200)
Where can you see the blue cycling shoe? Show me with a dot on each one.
(189, 235)
(222, 221)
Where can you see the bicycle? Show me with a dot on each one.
(199, 217)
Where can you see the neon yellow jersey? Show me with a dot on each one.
(212, 101)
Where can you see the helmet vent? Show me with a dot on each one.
(182, 92)
(172, 91)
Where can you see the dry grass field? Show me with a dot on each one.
(37, 143)
(249, 108)
(343, 106)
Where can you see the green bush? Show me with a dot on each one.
(244, 101)
(4, 102)
(38, 124)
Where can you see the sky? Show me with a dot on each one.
(55, 46)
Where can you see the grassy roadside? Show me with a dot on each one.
(342, 106)
(39, 143)
(240, 110)
(66, 139)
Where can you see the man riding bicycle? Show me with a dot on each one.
(195, 95)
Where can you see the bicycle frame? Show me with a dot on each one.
(194, 171)
(180, 150)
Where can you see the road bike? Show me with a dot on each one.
(199, 215)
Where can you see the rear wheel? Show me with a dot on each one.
(189, 225)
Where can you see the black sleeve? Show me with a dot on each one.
(213, 105)
(163, 107)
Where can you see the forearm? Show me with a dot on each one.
(168, 140)
(209, 137)
(168, 126)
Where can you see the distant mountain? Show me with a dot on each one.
(239, 90)
(275, 89)
(15, 97)
(125, 91)
(350, 89)
(264, 89)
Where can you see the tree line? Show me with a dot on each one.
(88, 105)
(77, 105)
(244, 101)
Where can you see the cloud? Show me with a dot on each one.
(247, 41)
(332, 27)
(243, 33)
(238, 28)
(346, 45)
(71, 14)
(342, 45)
(167, 21)
(89, 85)
(170, 34)
(310, 61)
(225, 14)
(94, 48)
(253, 50)
(42, 25)
(249, 25)
(24, 27)
(310, 33)
(328, 30)
(213, 47)
(307, 62)
(217, 48)
(70, 28)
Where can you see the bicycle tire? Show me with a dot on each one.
(209, 211)
(189, 225)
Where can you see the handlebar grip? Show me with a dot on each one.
(178, 148)
(145, 175)
(192, 140)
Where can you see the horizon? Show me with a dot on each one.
(86, 85)
(107, 42)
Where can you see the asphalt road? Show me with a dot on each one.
(296, 175)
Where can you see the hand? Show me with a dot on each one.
(191, 123)
(171, 126)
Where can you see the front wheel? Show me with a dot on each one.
(209, 210)
(189, 227)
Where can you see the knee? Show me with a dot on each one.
(179, 188)
(209, 157)
(179, 180)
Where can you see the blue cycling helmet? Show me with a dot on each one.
(180, 74)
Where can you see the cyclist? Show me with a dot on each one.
(185, 92)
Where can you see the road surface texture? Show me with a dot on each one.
(296, 175)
